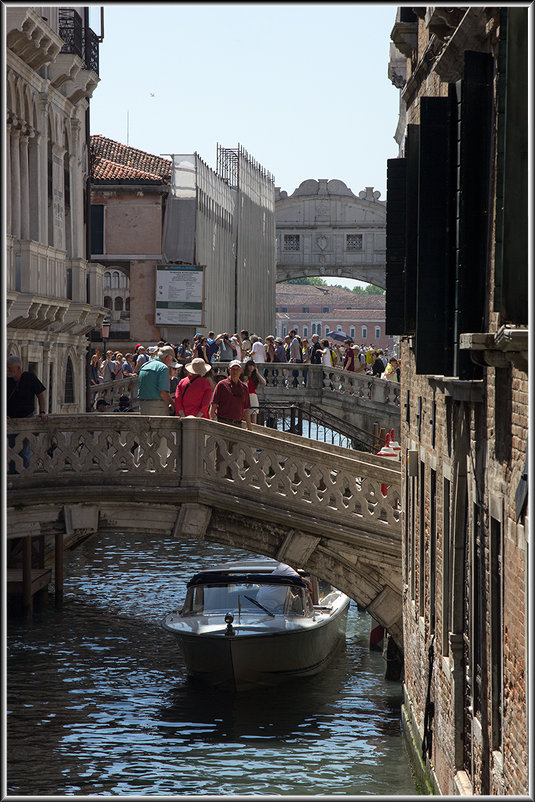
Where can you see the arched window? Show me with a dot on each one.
(107, 279)
(115, 279)
(107, 302)
(118, 304)
(68, 397)
(127, 304)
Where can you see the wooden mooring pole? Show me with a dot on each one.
(27, 596)
(58, 572)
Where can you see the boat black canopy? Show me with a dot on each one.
(224, 578)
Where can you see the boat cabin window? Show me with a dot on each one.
(237, 598)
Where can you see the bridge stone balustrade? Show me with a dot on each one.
(264, 491)
(361, 399)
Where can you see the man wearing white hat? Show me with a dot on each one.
(194, 391)
(154, 383)
(230, 400)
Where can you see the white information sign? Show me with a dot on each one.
(179, 295)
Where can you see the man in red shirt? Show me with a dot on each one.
(230, 400)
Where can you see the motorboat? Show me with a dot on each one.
(257, 623)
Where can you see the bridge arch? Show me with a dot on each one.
(324, 229)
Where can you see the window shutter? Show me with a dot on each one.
(412, 152)
(475, 124)
(396, 176)
(511, 269)
(97, 228)
(433, 345)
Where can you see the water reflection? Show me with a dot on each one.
(99, 701)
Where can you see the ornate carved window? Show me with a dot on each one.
(292, 242)
(353, 242)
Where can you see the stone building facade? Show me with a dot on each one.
(457, 289)
(128, 194)
(324, 229)
(53, 293)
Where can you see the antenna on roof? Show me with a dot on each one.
(127, 127)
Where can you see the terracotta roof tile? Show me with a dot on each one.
(112, 161)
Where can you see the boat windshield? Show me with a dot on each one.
(258, 597)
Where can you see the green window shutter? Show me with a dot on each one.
(433, 343)
(396, 177)
(475, 126)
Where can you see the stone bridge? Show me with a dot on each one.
(323, 229)
(271, 493)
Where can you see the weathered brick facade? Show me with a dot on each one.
(462, 312)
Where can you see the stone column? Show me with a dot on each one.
(9, 199)
(42, 166)
(58, 197)
(15, 183)
(24, 187)
(77, 191)
(35, 186)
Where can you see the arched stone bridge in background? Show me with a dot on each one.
(268, 492)
(324, 229)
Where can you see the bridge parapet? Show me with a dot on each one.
(330, 483)
(314, 383)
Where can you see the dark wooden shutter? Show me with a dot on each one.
(511, 263)
(396, 177)
(433, 346)
(412, 153)
(97, 228)
(475, 126)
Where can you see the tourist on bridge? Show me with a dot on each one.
(194, 391)
(124, 404)
(269, 346)
(155, 382)
(315, 350)
(95, 376)
(230, 400)
(184, 354)
(211, 346)
(392, 370)
(258, 352)
(280, 350)
(253, 379)
(227, 349)
(294, 349)
(140, 357)
(245, 343)
(23, 387)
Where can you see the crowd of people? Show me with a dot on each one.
(179, 380)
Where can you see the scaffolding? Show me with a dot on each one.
(228, 165)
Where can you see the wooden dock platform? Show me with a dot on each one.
(40, 579)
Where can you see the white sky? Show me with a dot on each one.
(302, 87)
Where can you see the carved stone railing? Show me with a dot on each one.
(291, 380)
(318, 485)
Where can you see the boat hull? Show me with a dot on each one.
(246, 660)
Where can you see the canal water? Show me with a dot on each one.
(98, 702)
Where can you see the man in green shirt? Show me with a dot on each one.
(154, 383)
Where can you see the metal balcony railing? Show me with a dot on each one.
(79, 41)
(71, 31)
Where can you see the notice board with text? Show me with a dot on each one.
(180, 295)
